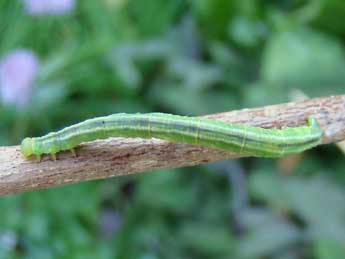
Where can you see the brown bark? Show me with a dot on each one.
(115, 157)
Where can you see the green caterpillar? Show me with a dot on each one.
(242, 139)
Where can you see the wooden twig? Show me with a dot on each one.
(118, 156)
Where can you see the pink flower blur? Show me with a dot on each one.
(42, 7)
(18, 71)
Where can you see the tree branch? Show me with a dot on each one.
(118, 156)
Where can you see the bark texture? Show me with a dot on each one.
(118, 156)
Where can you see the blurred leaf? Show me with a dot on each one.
(300, 59)
(174, 195)
(247, 33)
(123, 59)
(48, 95)
(237, 71)
(329, 249)
(303, 197)
(149, 17)
(328, 16)
(290, 58)
(214, 16)
(193, 74)
(269, 238)
(268, 187)
(186, 101)
(210, 240)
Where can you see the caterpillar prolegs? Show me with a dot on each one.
(238, 138)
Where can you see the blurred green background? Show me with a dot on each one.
(65, 61)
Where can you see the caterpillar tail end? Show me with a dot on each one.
(53, 155)
(316, 129)
(74, 153)
(313, 122)
(38, 158)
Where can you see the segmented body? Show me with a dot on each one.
(236, 138)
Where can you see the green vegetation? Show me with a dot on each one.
(184, 57)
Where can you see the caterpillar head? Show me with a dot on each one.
(26, 146)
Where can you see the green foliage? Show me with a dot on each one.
(185, 57)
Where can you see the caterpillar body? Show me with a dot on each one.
(238, 138)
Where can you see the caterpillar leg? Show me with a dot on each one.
(38, 158)
(53, 156)
(74, 152)
(312, 121)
